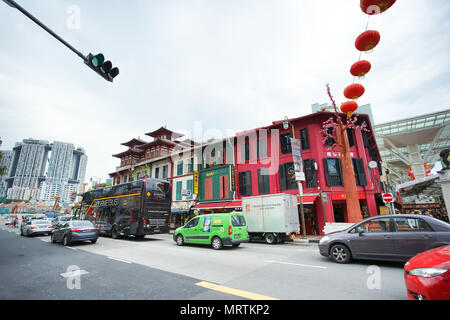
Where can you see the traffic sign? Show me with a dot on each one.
(388, 197)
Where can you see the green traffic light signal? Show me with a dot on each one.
(98, 60)
(104, 69)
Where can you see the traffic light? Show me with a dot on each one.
(103, 68)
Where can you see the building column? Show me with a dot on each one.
(416, 161)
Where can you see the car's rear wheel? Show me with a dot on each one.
(179, 240)
(216, 243)
(94, 241)
(270, 238)
(340, 254)
(52, 239)
(66, 241)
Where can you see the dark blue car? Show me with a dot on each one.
(75, 231)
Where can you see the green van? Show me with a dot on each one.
(216, 230)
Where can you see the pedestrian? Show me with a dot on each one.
(16, 222)
(314, 227)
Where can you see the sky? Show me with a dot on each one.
(208, 68)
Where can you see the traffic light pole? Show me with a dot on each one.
(97, 63)
(14, 4)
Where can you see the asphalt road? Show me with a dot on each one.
(156, 268)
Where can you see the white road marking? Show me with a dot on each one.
(297, 264)
(74, 274)
(112, 258)
(70, 248)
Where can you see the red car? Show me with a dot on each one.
(427, 275)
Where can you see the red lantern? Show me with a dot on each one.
(372, 7)
(360, 68)
(367, 40)
(349, 107)
(354, 91)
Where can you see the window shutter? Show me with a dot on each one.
(179, 187)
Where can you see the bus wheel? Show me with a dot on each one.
(114, 233)
(180, 240)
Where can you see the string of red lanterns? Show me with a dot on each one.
(366, 41)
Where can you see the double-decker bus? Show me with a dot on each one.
(137, 208)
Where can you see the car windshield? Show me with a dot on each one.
(238, 221)
(80, 224)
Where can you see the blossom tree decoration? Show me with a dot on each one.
(329, 127)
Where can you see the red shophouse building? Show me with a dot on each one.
(264, 165)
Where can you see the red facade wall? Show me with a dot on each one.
(317, 151)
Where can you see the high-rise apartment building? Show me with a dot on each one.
(56, 169)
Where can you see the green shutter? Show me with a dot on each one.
(180, 168)
(190, 186)
(179, 187)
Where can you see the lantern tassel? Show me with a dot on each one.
(349, 114)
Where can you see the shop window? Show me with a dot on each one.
(304, 139)
(287, 177)
(351, 137)
(360, 172)
(245, 183)
(285, 143)
(333, 172)
(310, 173)
(245, 150)
(263, 181)
(330, 142)
(262, 147)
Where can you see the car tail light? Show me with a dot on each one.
(33, 228)
(95, 229)
(50, 226)
(76, 230)
(230, 230)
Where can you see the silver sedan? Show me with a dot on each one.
(36, 227)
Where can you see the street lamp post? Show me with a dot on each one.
(286, 125)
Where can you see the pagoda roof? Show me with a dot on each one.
(158, 142)
(131, 151)
(134, 142)
(163, 131)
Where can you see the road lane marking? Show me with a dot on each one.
(297, 264)
(112, 258)
(234, 292)
(70, 248)
(74, 274)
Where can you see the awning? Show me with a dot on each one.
(307, 199)
(219, 205)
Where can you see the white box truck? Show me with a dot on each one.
(272, 218)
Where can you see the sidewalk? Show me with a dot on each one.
(308, 240)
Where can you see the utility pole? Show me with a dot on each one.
(286, 125)
(95, 62)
